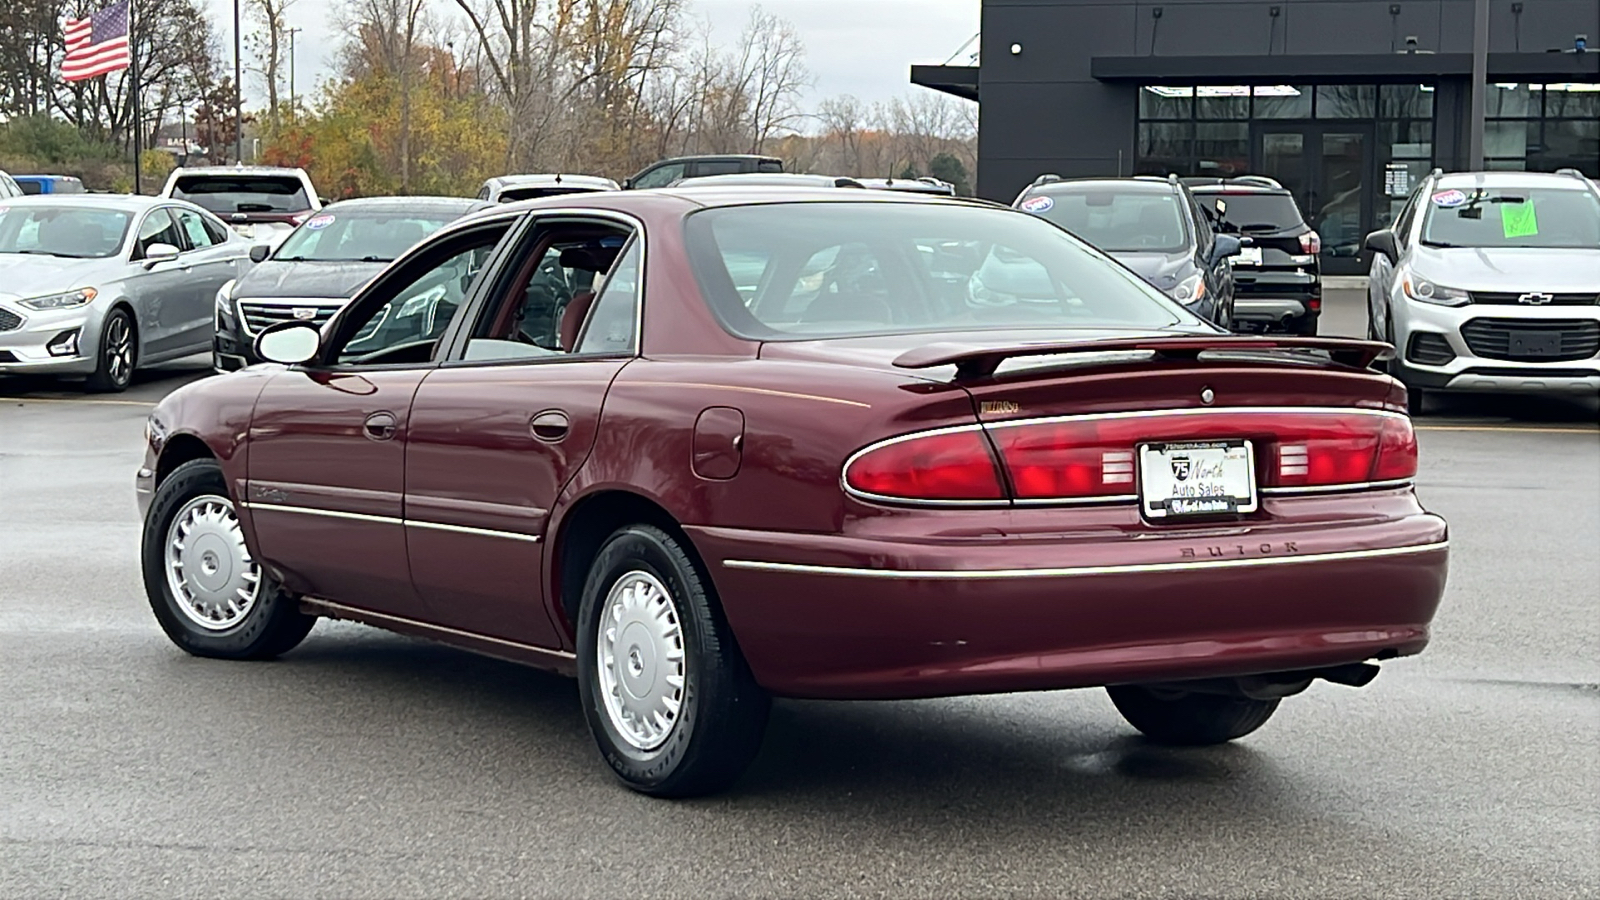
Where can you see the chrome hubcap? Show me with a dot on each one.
(641, 660)
(209, 569)
(119, 349)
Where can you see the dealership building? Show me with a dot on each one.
(1346, 102)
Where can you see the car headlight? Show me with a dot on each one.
(1189, 291)
(1428, 292)
(63, 300)
(225, 298)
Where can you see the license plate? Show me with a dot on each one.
(1248, 256)
(1197, 478)
(1533, 343)
(246, 230)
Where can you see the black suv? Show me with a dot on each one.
(669, 171)
(1278, 278)
(1151, 225)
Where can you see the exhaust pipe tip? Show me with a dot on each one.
(1353, 675)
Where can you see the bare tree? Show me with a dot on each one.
(386, 34)
(843, 120)
(271, 47)
(771, 73)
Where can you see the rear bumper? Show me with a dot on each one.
(848, 617)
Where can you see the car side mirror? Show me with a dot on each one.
(1226, 245)
(155, 254)
(289, 343)
(627, 184)
(324, 201)
(1383, 242)
(260, 252)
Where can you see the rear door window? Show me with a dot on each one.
(718, 167)
(194, 228)
(229, 194)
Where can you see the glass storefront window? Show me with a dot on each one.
(1506, 101)
(1405, 101)
(1222, 148)
(1222, 102)
(1282, 101)
(1347, 101)
(1572, 101)
(1163, 102)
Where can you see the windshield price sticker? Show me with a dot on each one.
(1449, 198)
(1519, 219)
(317, 223)
(1037, 204)
(1197, 478)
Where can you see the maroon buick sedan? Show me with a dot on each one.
(701, 447)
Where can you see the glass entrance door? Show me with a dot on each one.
(1328, 168)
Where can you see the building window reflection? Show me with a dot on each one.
(1543, 127)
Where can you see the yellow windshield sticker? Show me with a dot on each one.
(1518, 219)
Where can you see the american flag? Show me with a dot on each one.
(97, 45)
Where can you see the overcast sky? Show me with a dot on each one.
(861, 47)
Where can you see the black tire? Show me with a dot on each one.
(1415, 399)
(722, 713)
(272, 626)
(1305, 327)
(1188, 718)
(116, 356)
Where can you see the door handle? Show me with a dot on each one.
(380, 426)
(550, 426)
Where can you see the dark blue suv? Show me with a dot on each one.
(1151, 225)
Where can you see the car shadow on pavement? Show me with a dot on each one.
(1520, 409)
(148, 384)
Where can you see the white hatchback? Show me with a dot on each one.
(1490, 281)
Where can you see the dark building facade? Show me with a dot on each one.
(1346, 102)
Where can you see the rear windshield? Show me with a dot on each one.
(69, 232)
(244, 193)
(1512, 217)
(29, 186)
(813, 270)
(364, 236)
(1117, 221)
(1251, 213)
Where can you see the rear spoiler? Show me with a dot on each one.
(979, 361)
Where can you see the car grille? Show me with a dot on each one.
(259, 316)
(1429, 349)
(1533, 340)
(9, 321)
(1502, 298)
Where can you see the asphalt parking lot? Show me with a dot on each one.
(370, 765)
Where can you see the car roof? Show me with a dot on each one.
(452, 204)
(771, 179)
(237, 170)
(1128, 185)
(1510, 179)
(1234, 188)
(129, 203)
(703, 156)
(552, 179)
(36, 177)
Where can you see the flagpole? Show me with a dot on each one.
(133, 78)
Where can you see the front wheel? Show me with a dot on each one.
(1187, 718)
(116, 356)
(208, 593)
(666, 693)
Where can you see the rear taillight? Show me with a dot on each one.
(952, 465)
(1092, 458)
(1311, 242)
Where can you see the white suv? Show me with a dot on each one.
(1490, 281)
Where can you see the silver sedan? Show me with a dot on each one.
(98, 285)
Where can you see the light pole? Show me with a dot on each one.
(1480, 84)
(293, 107)
(238, 87)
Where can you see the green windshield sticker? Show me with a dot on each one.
(1518, 219)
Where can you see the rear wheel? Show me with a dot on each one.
(1188, 718)
(667, 695)
(116, 356)
(209, 594)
